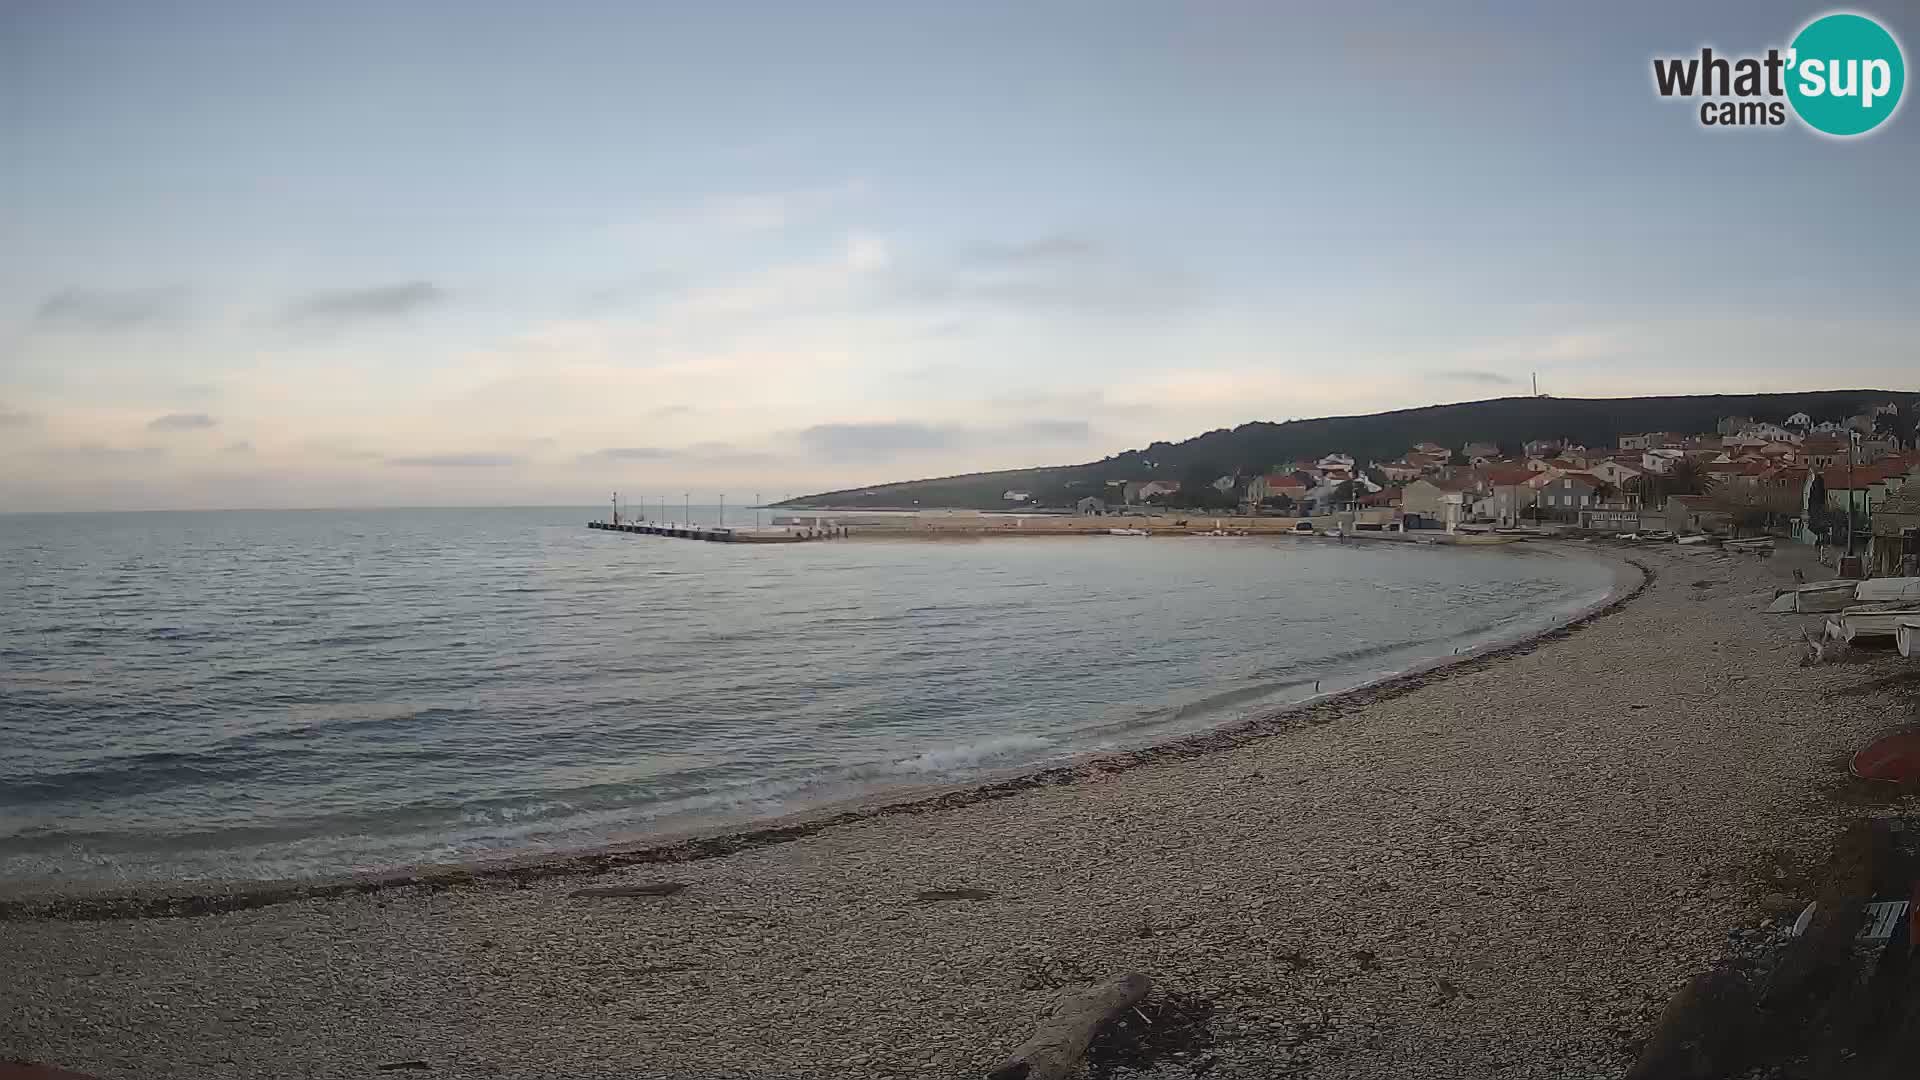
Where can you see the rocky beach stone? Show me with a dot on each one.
(1505, 868)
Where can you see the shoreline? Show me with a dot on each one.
(1504, 867)
(177, 899)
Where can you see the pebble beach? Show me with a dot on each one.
(1504, 867)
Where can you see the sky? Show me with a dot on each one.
(347, 254)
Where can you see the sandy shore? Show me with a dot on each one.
(1506, 870)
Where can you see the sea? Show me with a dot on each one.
(282, 694)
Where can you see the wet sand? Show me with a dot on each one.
(1503, 867)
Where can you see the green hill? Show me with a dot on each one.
(1375, 437)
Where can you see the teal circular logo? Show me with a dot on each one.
(1845, 74)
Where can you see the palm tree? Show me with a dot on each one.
(1687, 477)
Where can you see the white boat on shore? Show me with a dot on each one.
(1128, 532)
(1857, 623)
(1888, 590)
(1814, 597)
(1906, 637)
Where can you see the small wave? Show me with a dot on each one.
(1227, 699)
(966, 755)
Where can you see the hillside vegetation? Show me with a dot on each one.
(1376, 437)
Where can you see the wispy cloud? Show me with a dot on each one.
(1051, 430)
(1472, 375)
(15, 419)
(238, 449)
(99, 453)
(629, 453)
(1057, 274)
(339, 307)
(877, 439)
(457, 461)
(701, 453)
(738, 214)
(107, 310)
(881, 440)
(1054, 248)
(181, 422)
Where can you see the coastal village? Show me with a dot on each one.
(1807, 479)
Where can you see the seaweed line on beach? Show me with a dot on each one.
(219, 898)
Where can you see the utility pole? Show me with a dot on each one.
(688, 495)
(1853, 451)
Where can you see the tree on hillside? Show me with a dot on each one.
(1280, 503)
(1887, 425)
(1687, 477)
(1200, 474)
(1345, 494)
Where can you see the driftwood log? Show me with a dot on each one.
(1061, 1040)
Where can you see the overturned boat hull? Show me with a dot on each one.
(1817, 597)
(1855, 624)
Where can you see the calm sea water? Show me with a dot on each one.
(269, 694)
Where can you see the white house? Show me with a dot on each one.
(1769, 433)
(1660, 461)
(1615, 472)
(1016, 496)
(1157, 487)
(1800, 420)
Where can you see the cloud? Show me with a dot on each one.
(664, 411)
(722, 453)
(1486, 378)
(1048, 275)
(181, 422)
(241, 448)
(1054, 248)
(108, 310)
(339, 307)
(88, 453)
(866, 441)
(701, 453)
(945, 329)
(457, 461)
(630, 453)
(1052, 430)
(875, 440)
(739, 214)
(866, 254)
(19, 418)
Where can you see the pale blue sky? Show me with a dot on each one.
(302, 254)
